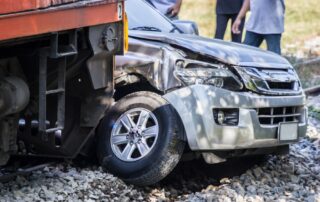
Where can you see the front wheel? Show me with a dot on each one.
(140, 139)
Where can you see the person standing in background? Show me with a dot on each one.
(170, 8)
(265, 23)
(228, 10)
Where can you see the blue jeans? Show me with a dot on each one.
(273, 41)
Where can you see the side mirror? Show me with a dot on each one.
(187, 27)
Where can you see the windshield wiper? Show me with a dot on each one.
(175, 29)
(146, 28)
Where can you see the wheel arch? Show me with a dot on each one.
(129, 83)
(132, 83)
(143, 87)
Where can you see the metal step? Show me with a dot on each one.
(58, 50)
(43, 93)
(56, 91)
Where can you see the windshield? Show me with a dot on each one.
(143, 16)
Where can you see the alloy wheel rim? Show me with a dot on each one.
(134, 134)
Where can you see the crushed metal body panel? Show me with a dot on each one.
(230, 53)
(154, 55)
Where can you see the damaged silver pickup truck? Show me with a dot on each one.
(177, 93)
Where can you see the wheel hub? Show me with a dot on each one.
(134, 135)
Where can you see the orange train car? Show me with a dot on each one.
(21, 18)
(56, 73)
(14, 6)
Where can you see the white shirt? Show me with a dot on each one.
(267, 16)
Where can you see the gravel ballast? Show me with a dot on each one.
(293, 177)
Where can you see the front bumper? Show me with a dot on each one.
(195, 105)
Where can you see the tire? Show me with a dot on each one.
(152, 159)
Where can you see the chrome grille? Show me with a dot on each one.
(281, 85)
(270, 81)
(274, 116)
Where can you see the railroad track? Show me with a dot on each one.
(8, 175)
(315, 90)
(22, 167)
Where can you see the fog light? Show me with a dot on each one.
(226, 116)
(220, 117)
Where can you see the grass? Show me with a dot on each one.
(302, 19)
(314, 112)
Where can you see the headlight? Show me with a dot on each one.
(218, 77)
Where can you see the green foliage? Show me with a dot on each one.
(314, 112)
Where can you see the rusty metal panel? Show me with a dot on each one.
(53, 19)
(13, 6)
(57, 2)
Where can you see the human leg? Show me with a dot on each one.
(253, 39)
(273, 42)
(222, 21)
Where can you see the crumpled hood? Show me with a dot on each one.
(226, 52)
